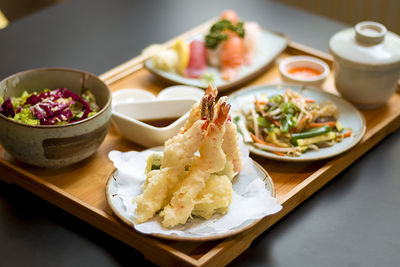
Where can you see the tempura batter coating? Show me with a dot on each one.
(231, 139)
(215, 197)
(178, 153)
(212, 159)
(231, 146)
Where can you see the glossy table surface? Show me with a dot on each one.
(352, 221)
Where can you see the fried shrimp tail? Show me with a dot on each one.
(211, 90)
(196, 111)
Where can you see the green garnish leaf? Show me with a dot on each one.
(216, 34)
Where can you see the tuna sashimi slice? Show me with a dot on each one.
(197, 60)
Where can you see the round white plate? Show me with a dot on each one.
(349, 116)
(240, 185)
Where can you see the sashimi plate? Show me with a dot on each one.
(270, 46)
(349, 116)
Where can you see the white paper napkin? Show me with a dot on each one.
(251, 200)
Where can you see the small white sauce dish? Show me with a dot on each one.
(130, 95)
(181, 91)
(308, 62)
(131, 107)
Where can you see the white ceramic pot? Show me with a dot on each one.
(366, 63)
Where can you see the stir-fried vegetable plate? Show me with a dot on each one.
(295, 123)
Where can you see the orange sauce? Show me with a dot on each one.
(304, 72)
(160, 122)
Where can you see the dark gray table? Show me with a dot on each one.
(352, 221)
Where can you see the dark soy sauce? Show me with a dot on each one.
(160, 122)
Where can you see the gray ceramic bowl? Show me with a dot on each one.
(55, 146)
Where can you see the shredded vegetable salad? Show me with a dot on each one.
(49, 107)
(289, 124)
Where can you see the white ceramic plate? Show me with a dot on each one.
(187, 233)
(269, 47)
(349, 116)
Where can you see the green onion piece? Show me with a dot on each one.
(310, 133)
(285, 125)
(289, 108)
(276, 99)
(263, 122)
(241, 127)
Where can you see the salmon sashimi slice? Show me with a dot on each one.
(232, 56)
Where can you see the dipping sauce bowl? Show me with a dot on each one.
(147, 120)
(304, 70)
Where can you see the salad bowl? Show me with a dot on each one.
(58, 145)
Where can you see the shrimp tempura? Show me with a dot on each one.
(212, 159)
(230, 144)
(178, 153)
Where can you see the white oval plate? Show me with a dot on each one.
(195, 229)
(269, 48)
(349, 116)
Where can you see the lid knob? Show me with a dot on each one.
(370, 32)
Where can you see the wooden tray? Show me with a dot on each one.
(80, 189)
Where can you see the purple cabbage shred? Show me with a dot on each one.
(7, 108)
(49, 110)
(64, 115)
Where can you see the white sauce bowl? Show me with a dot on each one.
(304, 61)
(132, 106)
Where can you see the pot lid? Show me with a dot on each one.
(368, 44)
